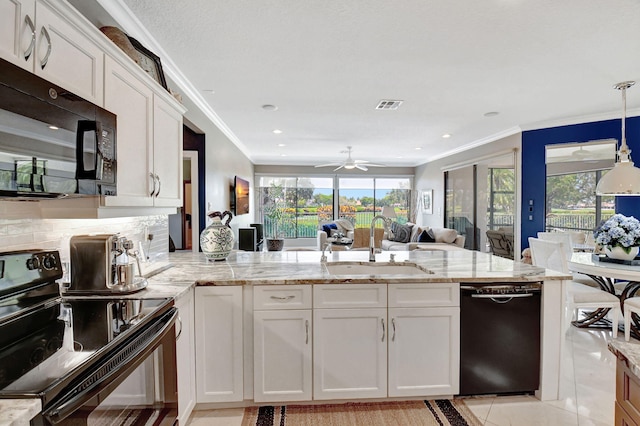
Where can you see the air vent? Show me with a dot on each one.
(388, 104)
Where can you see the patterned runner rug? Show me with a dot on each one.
(441, 412)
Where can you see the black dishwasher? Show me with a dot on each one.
(499, 338)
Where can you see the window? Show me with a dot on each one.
(362, 198)
(573, 170)
(502, 198)
(299, 203)
(293, 207)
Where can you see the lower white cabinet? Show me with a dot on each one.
(219, 354)
(282, 355)
(282, 342)
(424, 351)
(349, 353)
(185, 358)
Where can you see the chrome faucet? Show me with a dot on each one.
(372, 245)
(326, 245)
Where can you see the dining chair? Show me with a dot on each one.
(551, 255)
(566, 239)
(631, 306)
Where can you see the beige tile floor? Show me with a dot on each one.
(587, 392)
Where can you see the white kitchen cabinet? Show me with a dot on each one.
(148, 140)
(167, 154)
(350, 353)
(424, 339)
(282, 331)
(132, 101)
(349, 341)
(219, 350)
(39, 38)
(424, 351)
(185, 357)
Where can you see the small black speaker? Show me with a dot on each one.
(247, 239)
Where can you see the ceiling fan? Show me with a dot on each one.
(350, 163)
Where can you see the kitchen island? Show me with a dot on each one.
(177, 274)
(249, 270)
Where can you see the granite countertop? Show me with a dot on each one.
(629, 351)
(304, 267)
(180, 271)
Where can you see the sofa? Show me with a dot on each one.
(410, 236)
(327, 232)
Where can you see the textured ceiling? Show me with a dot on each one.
(326, 65)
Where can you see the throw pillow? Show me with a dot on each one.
(445, 235)
(328, 227)
(401, 233)
(415, 233)
(427, 236)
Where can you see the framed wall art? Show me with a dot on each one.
(427, 201)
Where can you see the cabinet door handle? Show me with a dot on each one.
(159, 186)
(306, 328)
(283, 297)
(393, 326)
(153, 191)
(44, 61)
(383, 329)
(32, 27)
(179, 332)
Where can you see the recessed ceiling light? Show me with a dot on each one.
(277, 131)
(269, 107)
(283, 155)
(418, 148)
(399, 156)
(209, 91)
(446, 136)
(282, 144)
(52, 127)
(491, 113)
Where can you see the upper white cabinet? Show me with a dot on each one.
(132, 101)
(167, 155)
(39, 38)
(148, 140)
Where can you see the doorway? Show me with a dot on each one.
(183, 226)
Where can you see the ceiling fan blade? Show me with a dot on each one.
(376, 165)
(341, 166)
(360, 161)
(329, 165)
(361, 167)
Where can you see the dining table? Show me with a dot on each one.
(616, 277)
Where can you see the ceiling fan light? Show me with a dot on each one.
(349, 166)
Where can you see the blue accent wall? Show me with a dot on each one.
(534, 170)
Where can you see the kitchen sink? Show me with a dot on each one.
(375, 268)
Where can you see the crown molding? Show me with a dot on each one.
(121, 13)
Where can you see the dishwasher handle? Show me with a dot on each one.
(501, 296)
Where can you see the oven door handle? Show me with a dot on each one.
(124, 359)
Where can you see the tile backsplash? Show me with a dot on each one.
(54, 234)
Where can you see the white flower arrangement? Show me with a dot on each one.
(619, 231)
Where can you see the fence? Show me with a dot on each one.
(306, 225)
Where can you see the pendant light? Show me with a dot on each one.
(624, 178)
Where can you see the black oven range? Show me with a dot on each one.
(71, 352)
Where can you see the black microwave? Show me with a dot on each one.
(53, 143)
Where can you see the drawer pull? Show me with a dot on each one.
(283, 297)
